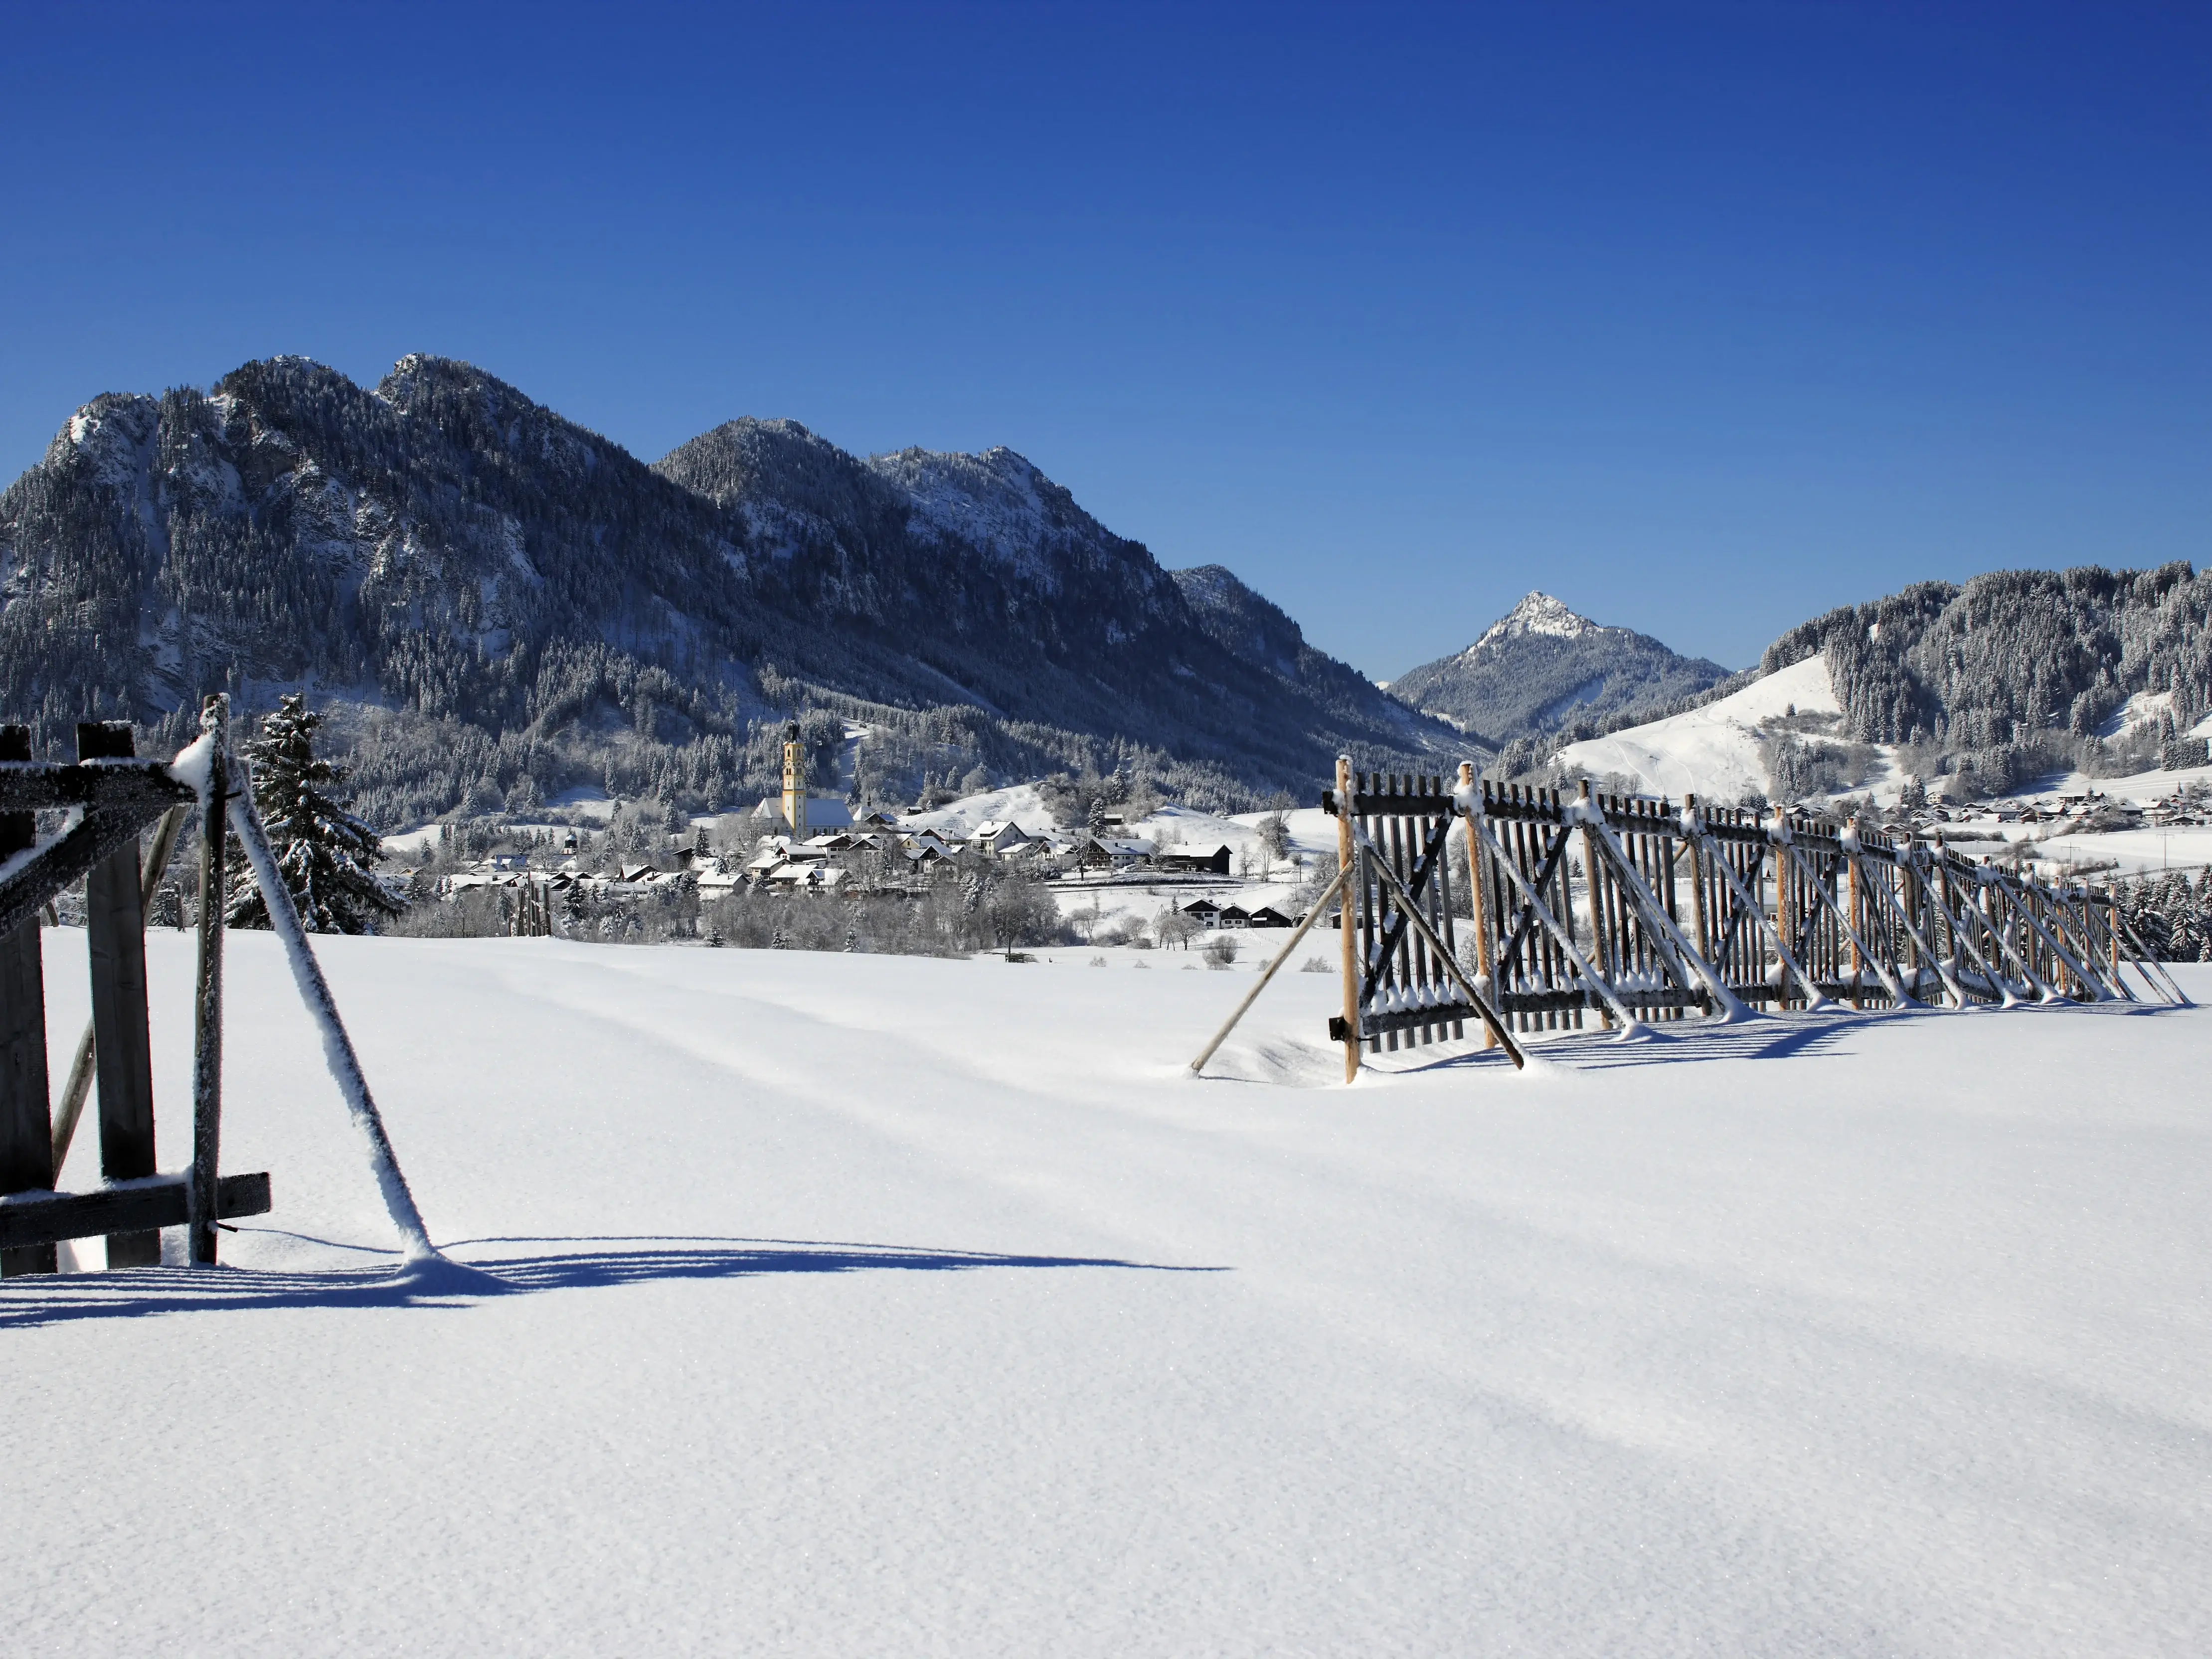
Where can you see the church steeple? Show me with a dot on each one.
(794, 782)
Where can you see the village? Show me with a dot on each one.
(557, 879)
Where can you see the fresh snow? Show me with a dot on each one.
(1537, 613)
(865, 1305)
(1713, 751)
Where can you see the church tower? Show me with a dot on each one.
(794, 782)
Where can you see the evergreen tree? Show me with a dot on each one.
(325, 854)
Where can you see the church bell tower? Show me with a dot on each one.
(794, 782)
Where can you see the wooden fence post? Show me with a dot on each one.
(1348, 895)
(207, 1003)
(27, 1152)
(1477, 893)
(115, 940)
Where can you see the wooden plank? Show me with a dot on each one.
(1382, 803)
(144, 1206)
(207, 999)
(1335, 885)
(123, 1057)
(1430, 860)
(26, 1162)
(1477, 900)
(142, 788)
(58, 864)
(1450, 965)
(80, 1078)
(1351, 898)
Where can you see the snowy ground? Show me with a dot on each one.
(869, 1305)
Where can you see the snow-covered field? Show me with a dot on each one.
(865, 1305)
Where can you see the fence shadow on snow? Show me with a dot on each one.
(1825, 1032)
(140, 1293)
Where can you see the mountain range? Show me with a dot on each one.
(496, 604)
(498, 600)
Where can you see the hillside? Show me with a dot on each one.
(2018, 672)
(1717, 751)
(2013, 679)
(1541, 666)
(500, 601)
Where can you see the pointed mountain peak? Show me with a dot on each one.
(1539, 613)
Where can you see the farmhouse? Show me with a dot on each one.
(1193, 859)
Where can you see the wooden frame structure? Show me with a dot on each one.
(1403, 979)
(1703, 908)
(112, 799)
(1634, 910)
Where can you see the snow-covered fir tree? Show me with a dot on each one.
(324, 853)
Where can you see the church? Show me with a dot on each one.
(794, 812)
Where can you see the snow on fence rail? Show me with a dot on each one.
(1634, 909)
(111, 798)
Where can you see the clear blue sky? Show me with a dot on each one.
(1703, 318)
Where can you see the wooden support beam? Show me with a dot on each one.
(1478, 892)
(140, 790)
(143, 1207)
(123, 1060)
(1347, 895)
(26, 1162)
(1565, 940)
(1859, 952)
(1448, 963)
(80, 1078)
(1335, 885)
(207, 1001)
(34, 882)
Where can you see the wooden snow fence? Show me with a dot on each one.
(112, 799)
(1630, 910)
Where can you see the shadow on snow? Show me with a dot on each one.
(137, 1292)
(1767, 1037)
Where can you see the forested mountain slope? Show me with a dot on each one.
(2013, 653)
(1541, 667)
(506, 603)
(2014, 676)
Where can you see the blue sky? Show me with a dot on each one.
(1703, 318)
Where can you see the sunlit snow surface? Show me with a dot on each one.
(1712, 752)
(865, 1305)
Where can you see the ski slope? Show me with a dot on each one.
(865, 1305)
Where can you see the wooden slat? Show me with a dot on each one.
(143, 1207)
(207, 1000)
(122, 1058)
(1382, 804)
(56, 866)
(26, 1154)
(113, 785)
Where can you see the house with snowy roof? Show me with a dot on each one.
(996, 836)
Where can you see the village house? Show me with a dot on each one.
(1214, 860)
(1110, 853)
(995, 837)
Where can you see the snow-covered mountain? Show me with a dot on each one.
(1542, 666)
(1977, 690)
(500, 595)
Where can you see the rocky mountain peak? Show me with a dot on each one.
(1537, 613)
